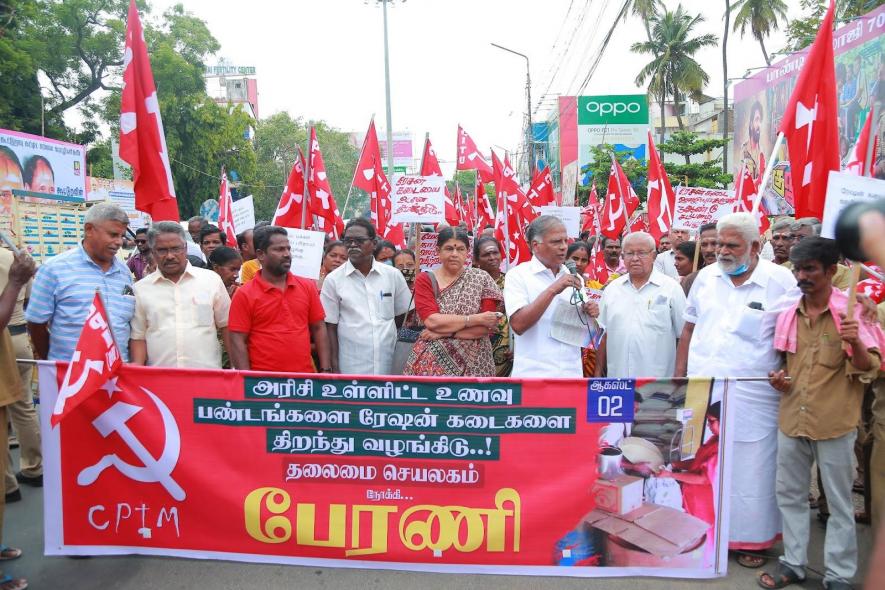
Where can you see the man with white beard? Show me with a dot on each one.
(729, 332)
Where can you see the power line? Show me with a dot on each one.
(217, 176)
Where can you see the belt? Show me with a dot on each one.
(18, 330)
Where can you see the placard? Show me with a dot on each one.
(307, 252)
(394, 472)
(569, 216)
(843, 189)
(120, 192)
(418, 199)
(243, 211)
(696, 206)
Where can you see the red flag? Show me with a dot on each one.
(96, 360)
(620, 202)
(592, 213)
(288, 213)
(661, 198)
(857, 157)
(485, 216)
(322, 201)
(507, 195)
(540, 192)
(469, 157)
(639, 223)
(370, 177)
(505, 179)
(598, 269)
(745, 193)
(430, 167)
(465, 211)
(811, 124)
(225, 212)
(142, 140)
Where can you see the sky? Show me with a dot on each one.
(324, 59)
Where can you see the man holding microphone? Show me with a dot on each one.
(534, 292)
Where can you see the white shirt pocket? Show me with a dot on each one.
(749, 324)
(203, 315)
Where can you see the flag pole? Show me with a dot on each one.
(871, 142)
(356, 171)
(766, 176)
(306, 196)
(623, 195)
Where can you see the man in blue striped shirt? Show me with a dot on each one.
(65, 286)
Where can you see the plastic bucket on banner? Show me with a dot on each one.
(580, 547)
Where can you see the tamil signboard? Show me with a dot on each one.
(760, 100)
(35, 166)
(619, 120)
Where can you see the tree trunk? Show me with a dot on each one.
(725, 87)
(677, 106)
(764, 53)
(663, 112)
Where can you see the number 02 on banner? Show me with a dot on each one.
(610, 400)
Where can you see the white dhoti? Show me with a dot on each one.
(755, 521)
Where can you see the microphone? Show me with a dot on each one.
(570, 266)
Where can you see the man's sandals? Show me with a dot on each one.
(782, 577)
(10, 583)
(7, 553)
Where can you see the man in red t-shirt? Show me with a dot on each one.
(274, 317)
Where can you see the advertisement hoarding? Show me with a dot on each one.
(36, 166)
(620, 120)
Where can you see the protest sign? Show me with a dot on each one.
(418, 199)
(122, 193)
(696, 206)
(307, 252)
(843, 189)
(244, 214)
(439, 474)
(40, 167)
(569, 216)
(428, 252)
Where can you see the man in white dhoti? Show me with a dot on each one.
(729, 332)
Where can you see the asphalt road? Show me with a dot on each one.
(24, 528)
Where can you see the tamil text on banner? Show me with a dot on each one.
(569, 216)
(539, 477)
(696, 206)
(843, 189)
(40, 167)
(307, 252)
(244, 214)
(120, 192)
(418, 199)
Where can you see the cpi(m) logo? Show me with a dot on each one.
(613, 108)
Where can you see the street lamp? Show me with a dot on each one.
(530, 146)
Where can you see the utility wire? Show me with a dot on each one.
(216, 176)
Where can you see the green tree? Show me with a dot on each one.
(276, 142)
(673, 70)
(600, 169)
(802, 31)
(707, 174)
(761, 16)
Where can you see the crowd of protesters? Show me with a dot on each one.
(731, 303)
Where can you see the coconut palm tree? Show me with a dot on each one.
(645, 10)
(762, 18)
(673, 71)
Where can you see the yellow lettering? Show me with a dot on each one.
(276, 529)
(306, 520)
(378, 519)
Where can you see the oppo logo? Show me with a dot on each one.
(613, 108)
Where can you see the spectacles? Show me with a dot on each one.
(641, 254)
(357, 241)
(175, 251)
(141, 241)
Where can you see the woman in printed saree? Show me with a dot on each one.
(487, 255)
(457, 306)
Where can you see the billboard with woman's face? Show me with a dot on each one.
(760, 100)
(34, 166)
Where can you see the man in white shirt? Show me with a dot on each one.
(729, 332)
(642, 316)
(532, 292)
(666, 262)
(179, 308)
(364, 301)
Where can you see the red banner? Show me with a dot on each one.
(454, 475)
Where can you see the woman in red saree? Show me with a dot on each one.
(457, 306)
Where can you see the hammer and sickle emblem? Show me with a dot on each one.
(154, 470)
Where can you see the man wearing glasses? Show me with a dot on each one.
(179, 308)
(806, 227)
(364, 301)
(642, 316)
(139, 261)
